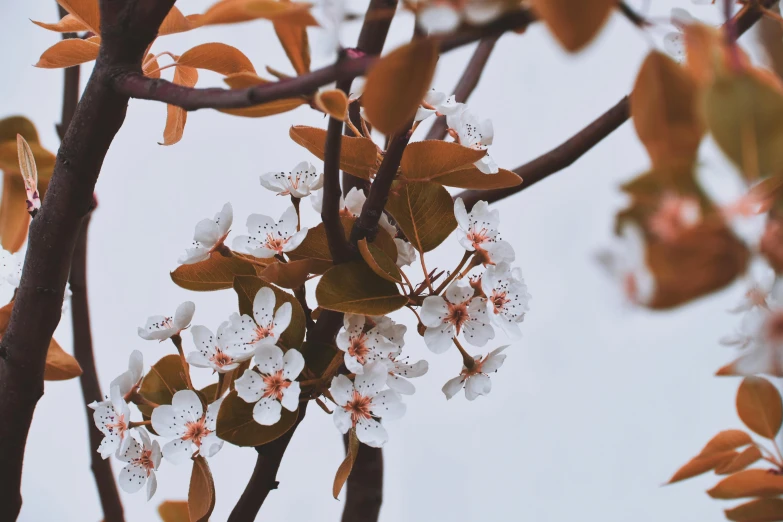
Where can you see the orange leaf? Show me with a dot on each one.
(358, 156)
(219, 57)
(333, 102)
(67, 53)
(698, 465)
(150, 67)
(748, 483)
(215, 273)
(289, 275)
(397, 83)
(425, 160)
(175, 116)
(379, 262)
(242, 80)
(174, 511)
(267, 109)
(759, 510)
(472, 178)
(573, 23)
(344, 471)
(725, 441)
(759, 406)
(740, 462)
(175, 22)
(14, 218)
(60, 365)
(296, 13)
(201, 494)
(664, 111)
(294, 40)
(68, 24)
(234, 11)
(86, 11)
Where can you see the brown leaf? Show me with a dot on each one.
(60, 365)
(574, 24)
(333, 102)
(201, 494)
(397, 83)
(174, 511)
(379, 262)
(175, 22)
(235, 423)
(702, 464)
(665, 111)
(759, 406)
(470, 177)
(68, 24)
(358, 156)
(426, 160)
(740, 462)
(293, 38)
(749, 483)
(424, 212)
(243, 80)
(67, 53)
(725, 441)
(344, 471)
(234, 11)
(354, 288)
(267, 109)
(290, 275)
(216, 273)
(165, 378)
(150, 67)
(176, 117)
(14, 218)
(247, 287)
(86, 11)
(218, 57)
(759, 510)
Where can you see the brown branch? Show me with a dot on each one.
(467, 83)
(134, 84)
(330, 209)
(264, 478)
(364, 489)
(128, 28)
(576, 146)
(91, 390)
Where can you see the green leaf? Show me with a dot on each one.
(424, 211)
(201, 494)
(354, 288)
(247, 287)
(235, 423)
(216, 273)
(344, 471)
(165, 378)
(379, 262)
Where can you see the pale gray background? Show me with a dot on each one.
(594, 409)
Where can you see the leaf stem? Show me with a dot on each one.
(177, 340)
(454, 273)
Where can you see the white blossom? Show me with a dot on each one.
(626, 262)
(507, 296)
(216, 352)
(269, 238)
(112, 418)
(160, 328)
(443, 16)
(469, 131)
(298, 183)
(406, 254)
(246, 333)
(361, 402)
(274, 385)
(759, 283)
(476, 380)
(361, 347)
(351, 206)
(143, 459)
(398, 365)
(209, 236)
(478, 231)
(130, 378)
(191, 429)
(674, 42)
(457, 310)
(436, 102)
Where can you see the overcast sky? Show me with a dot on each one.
(594, 408)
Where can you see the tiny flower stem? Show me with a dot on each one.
(219, 389)
(473, 264)
(353, 128)
(407, 281)
(134, 424)
(426, 272)
(280, 258)
(177, 340)
(295, 202)
(136, 398)
(467, 360)
(409, 307)
(334, 366)
(323, 406)
(454, 273)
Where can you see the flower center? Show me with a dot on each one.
(358, 407)
(458, 315)
(478, 237)
(756, 296)
(275, 243)
(262, 332)
(276, 384)
(220, 358)
(145, 461)
(119, 426)
(358, 348)
(499, 300)
(195, 431)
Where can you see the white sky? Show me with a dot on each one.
(594, 409)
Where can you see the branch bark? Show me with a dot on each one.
(135, 85)
(364, 489)
(128, 28)
(467, 83)
(575, 147)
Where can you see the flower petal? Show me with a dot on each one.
(267, 411)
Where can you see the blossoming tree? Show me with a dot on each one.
(313, 298)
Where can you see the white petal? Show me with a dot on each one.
(370, 432)
(207, 232)
(132, 478)
(422, 114)
(282, 319)
(438, 338)
(290, 400)
(494, 360)
(135, 367)
(342, 419)
(453, 386)
(438, 18)
(293, 364)
(212, 414)
(225, 219)
(269, 359)
(478, 384)
(461, 214)
(341, 389)
(264, 306)
(387, 405)
(482, 12)
(458, 292)
(210, 445)
(250, 387)
(152, 485)
(487, 165)
(406, 254)
(109, 445)
(189, 404)
(267, 411)
(434, 310)
(204, 340)
(354, 201)
(133, 451)
(167, 422)
(372, 380)
(295, 240)
(353, 364)
(184, 314)
(400, 385)
(194, 255)
(177, 451)
(156, 329)
(274, 181)
(288, 221)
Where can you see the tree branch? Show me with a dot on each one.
(364, 489)
(330, 209)
(134, 84)
(467, 83)
(575, 147)
(128, 28)
(264, 478)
